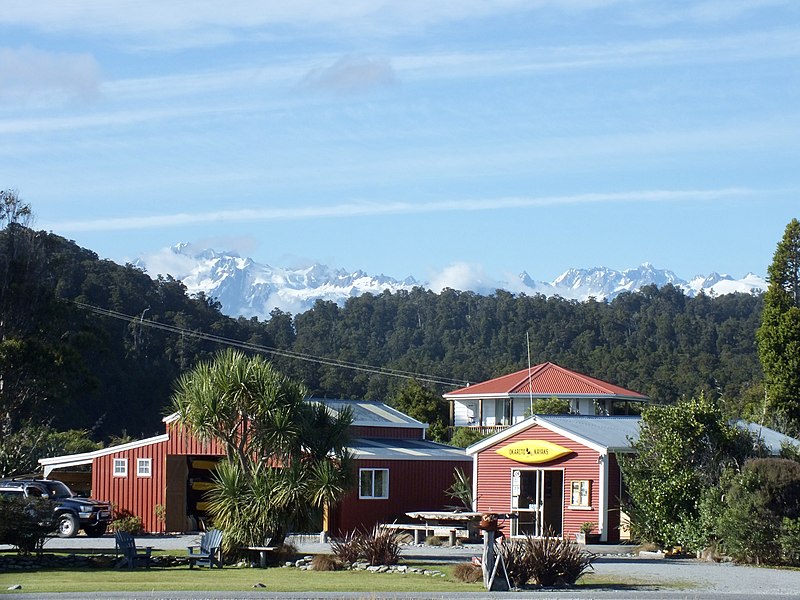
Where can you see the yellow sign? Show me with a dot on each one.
(533, 451)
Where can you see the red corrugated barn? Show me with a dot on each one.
(554, 472)
(162, 479)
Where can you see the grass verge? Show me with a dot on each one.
(230, 579)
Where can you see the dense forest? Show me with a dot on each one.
(89, 344)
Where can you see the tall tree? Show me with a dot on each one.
(286, 457)
(779, 334)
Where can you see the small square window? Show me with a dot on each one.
(120, 467)
(144, 467)
(580, 495)
(373, 484)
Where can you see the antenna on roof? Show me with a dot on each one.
(530, 382)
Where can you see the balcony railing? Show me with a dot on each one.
(482, 429)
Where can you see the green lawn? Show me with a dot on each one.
(229, 579)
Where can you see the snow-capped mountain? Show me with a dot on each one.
(247, 288)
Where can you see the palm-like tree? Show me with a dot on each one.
(285, 457)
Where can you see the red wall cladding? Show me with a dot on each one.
(494, 476)
(180, 442)
(403, 433)
(136, 494)
(414, 485)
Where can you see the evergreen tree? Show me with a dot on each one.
(779, 334)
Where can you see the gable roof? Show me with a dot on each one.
(545, 380)
(603, 434)
(615, 434)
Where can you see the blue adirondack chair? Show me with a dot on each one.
(131, 556)
(209, 553)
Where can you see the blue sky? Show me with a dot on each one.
(416, 137)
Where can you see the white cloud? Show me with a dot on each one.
(32, 75)
(367, 209)
(464, 277)
(351, 74)
(167, 262)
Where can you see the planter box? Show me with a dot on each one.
(587, 538)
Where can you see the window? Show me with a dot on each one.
(580, 496)
(373, 483)
(120, 467)
(143, 467)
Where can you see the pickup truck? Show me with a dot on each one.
(72, 513)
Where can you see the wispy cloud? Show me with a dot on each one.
(208, 22)
(33, 75)
(369, 209)
(351, 74)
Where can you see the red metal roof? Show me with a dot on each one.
(546, 379)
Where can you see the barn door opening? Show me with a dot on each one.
(537, 500)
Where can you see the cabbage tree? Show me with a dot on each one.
(286, 458)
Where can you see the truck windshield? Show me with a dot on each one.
(58, 490)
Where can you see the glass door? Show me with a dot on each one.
(537, 498)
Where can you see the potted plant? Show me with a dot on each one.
(584, 532)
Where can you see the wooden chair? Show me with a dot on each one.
(131, 556)
(209, 553)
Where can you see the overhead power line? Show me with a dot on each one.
(210, 337)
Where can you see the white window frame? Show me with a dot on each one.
(580, 494)
(120, 467)
(373, 493)
(147, 463)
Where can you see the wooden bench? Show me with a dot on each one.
(262, 553)
(452, 533)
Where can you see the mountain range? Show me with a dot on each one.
(251, 289)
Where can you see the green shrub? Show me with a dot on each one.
(790, 541)
(26, 522)
(467, 572)
(546, 561)
(127, 522)
(763, 503)
(466, 436)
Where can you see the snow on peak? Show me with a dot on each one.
(247, 288)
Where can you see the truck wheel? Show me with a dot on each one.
(95, 530)
(68, 525)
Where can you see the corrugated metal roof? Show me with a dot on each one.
(404, 449)
(772, 439)
(598, 432)
(546, 379)
(371, 413)
(613, 433)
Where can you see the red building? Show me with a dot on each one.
(162, 479)
(554, 473)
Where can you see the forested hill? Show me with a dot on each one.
(66, 363)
